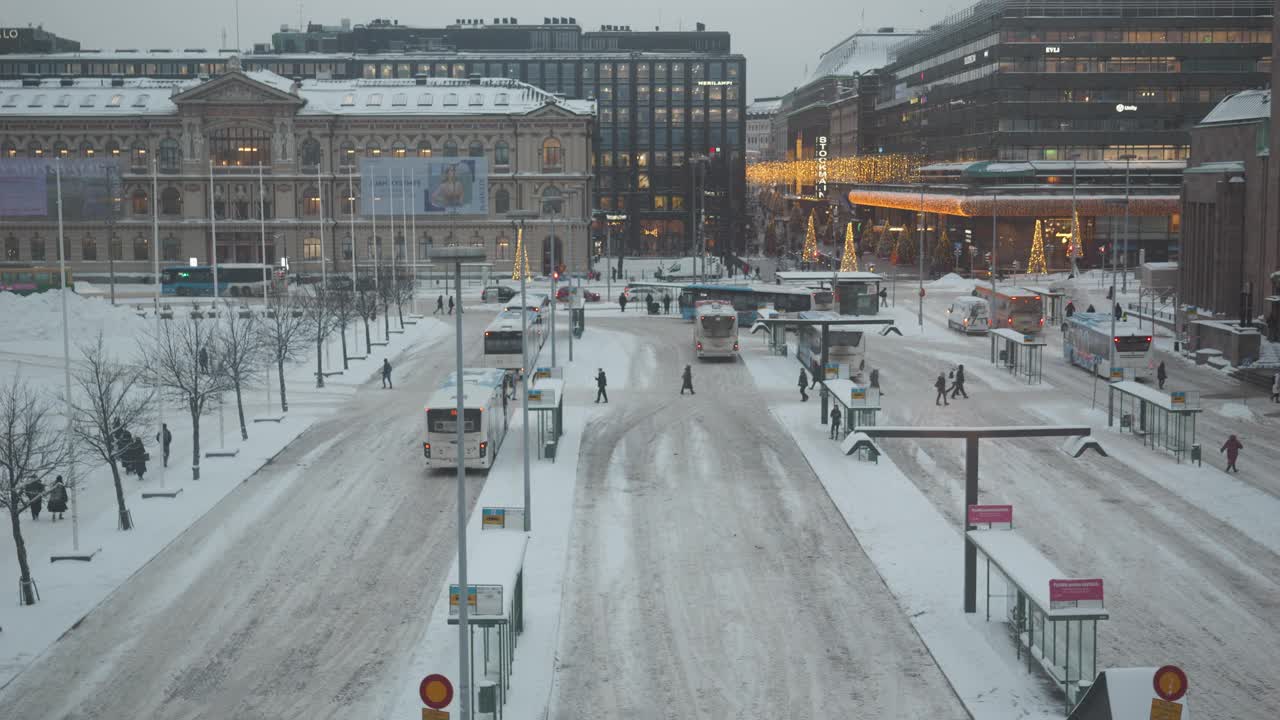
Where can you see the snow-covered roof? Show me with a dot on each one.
(859, 53)
(764, 106)
(147, 96)
(478, 385)
(1028, 568)
(1030, 167)
(1219, 167)
(204, 55)
(1244, 106)
(509, 320)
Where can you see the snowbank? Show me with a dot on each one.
(33, 323)
(953, 281)
(1238, 411)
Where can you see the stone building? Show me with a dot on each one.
(283, 158)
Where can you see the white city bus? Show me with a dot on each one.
(844, 346)
(505, 341)
(1089, 340)
(485, 414)
(715, 330)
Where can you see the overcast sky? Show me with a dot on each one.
(778, 38)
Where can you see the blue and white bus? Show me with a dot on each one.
(747, 300)
(234, 280)
(1089, 341)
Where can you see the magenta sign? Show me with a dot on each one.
(1076, 590)
(988, 514)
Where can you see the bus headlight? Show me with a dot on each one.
(426, 450)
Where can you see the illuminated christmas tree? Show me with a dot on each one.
(943, 247)
(1075, 248)
(810, 252)
(1037, 264)
(522, 256)
(849, 261)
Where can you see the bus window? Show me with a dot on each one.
(1132, 343)
(717, 326)
(443, 420)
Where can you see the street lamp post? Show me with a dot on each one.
(1076, 238)
(920, 252)
(456, 256)
(1115, 297)
(521, 216)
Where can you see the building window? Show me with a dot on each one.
(399, 149)
(35, 149)
(425, 99)
(113, 148)
(37, 248)
(310, 202)
(138, 157)
(11, 249)
(552, 201)
(424, 246)
(501, 201)
(170, 156)
(552, 160)
(400, 100)
(170, 249)
(475, 149)
(501, 100)
(60, 149)
(451, 99)
(476, 99)
(141, 248)
(424, 149)
(450, 148)
(373, 149)
(117, 249)
(501, 154)
(170, 201)
(310, 154)
(89, 249)
(374, 100)
(311, 248)
(9, 150)
(239, 147)
(347, 155)
(138, 202)
(502, 248)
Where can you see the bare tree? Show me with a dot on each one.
(241, 354)
(406, 287)
(112, 398)
(386, 291)
(318, 309)
(284, 335)
(344, 313)
(366, 305)
(31, 449)
(178, 358)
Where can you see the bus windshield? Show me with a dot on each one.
(717, 325)
(849, 338)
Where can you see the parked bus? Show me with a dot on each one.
(747, 300)
(505, 340)
(486, 412)
(234, 280)
(715, 330)
(27, 279)
(1014, 308)
(844, 346)
(1089, 340)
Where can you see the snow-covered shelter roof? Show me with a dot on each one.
(1244, 106)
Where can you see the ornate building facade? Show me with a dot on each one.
(277, 164)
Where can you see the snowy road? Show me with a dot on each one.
(710, 576)
(297, 596)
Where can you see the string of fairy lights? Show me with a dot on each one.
(847, 170)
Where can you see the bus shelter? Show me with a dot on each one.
(1055, 302)
(495, 606)
(546, 401)
(1019, 353)
(1053, 616)
(1162, 420)
(858, 403)
(856, 293)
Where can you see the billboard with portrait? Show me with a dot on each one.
(425, 186)
(29, 188)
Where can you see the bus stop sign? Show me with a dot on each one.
(1170, 683)
(436, 691)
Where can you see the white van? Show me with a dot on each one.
(968, 315)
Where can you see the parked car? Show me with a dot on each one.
(497, 294)
(562, 295)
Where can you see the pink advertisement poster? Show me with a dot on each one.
(1075, 590)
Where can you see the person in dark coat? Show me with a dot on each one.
(35, 497)
(137, 458)
(835, 422)
(1275, 388)
(666, 304)
(875, 379)
(204, 361)
(804, 384)
(164, 437)
(602, 383)
(1232, 448)
(439, 305)
(941, 386)
(386, 375)
(58, 499)
(1071, 308)
(648, 301)
(1119, 311)
(884, 298)
(450, 304)
(622, 301)
(1161, 374)
(1090, 309)
(1111, 292)
(958, 387)
(686, 380)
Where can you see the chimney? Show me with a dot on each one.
(700, 27)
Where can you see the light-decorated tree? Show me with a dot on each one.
(810, 252)
(849, 261)
(942, 248)
(1075, 248)
(522, 256)
(1036, 263)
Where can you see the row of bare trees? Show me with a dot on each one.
(191, 363)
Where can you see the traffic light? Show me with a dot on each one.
(555, 275)
(713, 151)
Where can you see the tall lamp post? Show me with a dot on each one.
(920, 253)
(517, 221)
(457, 256)
(1076, 238)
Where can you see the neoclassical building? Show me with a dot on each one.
(280, 158)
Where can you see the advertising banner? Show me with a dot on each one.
(29, 188)
(990, 514)
(430, 186)
(481, 599)
(1086, 592)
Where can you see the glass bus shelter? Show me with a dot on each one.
(1019, 353)
(1162, 419)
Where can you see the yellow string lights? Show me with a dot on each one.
(1036, 263)
(522, 256)
(810, 252)
(846, 170)
(849, 261)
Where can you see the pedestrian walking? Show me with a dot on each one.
(835, 422)
(1111, 292)
(622, 301)
(666, 304)
(1275, 388)
(164, 437)
(686, 381)
(204, 361)
(958, 387)
(450, 304)
(1161, 374)
(1119, 311)
(804, 384)
(58, 499)
(941, 386)
(884, 298)
(35, 497)
(602, 383)
(875, 379)
(136, 458)
(386, 375)
(1071, 308)
(439, 305)
(1232, 448)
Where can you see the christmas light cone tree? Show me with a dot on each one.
(849, 261)
(1037, 264)
(1074, 248)
(943, 248)
(810, 252)
(522, 256)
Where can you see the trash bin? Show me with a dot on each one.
(488, 701)
(549, 450)
(1126, 421)
(1195, 454)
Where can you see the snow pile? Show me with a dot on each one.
(1238, 411)
(86, 288)
(952, 281)
(33, 323)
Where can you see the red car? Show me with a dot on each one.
(562, 295)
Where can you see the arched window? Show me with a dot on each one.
(138, 202)
(501, 201)
(502, 247)
(170, 249)
(60, 149)
(138, 156)
(239, 147)
(450, 148)
(87, 150)
(113, 149)
(501, 154)
(89, 249)
(9, 150)
(170, 201)
(170, 156)
(35, 149)
(475, 149)
(347, 155)
(399, 149)
(424, 149)
(552, 201)
(547, 253)
(117, 248)
(310, 202)
(552, 158)
(37, 248)
(399, 246)
(310, 152)
(373, 149)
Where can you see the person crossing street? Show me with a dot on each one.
(601, 384)
(386, 375)
(804, 385)
(941, 386)
(958, 387)
(686, 380)
(439, 305)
